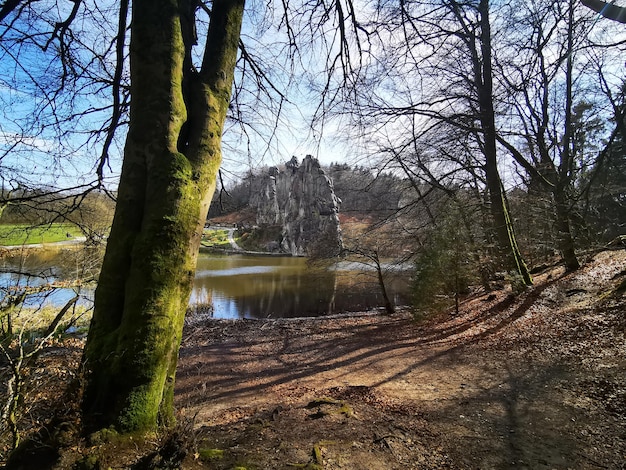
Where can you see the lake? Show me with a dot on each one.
(244, 286)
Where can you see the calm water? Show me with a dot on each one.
(241, 286)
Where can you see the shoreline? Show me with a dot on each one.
(73, 242)
(403, 311)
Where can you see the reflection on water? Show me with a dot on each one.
(41, 272)
(236, 286)
(241, 286)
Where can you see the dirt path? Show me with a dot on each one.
(537, 381)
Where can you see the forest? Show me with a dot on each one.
(482, 142)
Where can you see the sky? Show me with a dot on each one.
(67, 155)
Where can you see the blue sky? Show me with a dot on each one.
(66, 155)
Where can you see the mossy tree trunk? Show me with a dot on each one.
(483, 73)
(171, 159)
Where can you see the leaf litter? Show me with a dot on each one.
(531, 381)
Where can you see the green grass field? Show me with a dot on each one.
(215, 238)
(24, 234)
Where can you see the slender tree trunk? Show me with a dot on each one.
(483, 79)
(565, 239)
(171, 159)
(564, 234)
(389, 308)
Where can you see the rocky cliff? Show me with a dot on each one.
(301, 199)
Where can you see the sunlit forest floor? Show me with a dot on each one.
(534, 381)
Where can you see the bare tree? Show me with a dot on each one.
(171, 160)
(502, 79)
(181, 96)
(551, 86)
(436, 74)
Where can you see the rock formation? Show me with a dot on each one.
(301, 199)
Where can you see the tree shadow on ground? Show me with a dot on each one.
(205, 379)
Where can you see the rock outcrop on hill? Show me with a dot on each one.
(301, 199)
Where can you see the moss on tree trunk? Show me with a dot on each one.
(171, 158)
(507, 243)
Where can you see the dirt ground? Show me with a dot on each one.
(534, 381)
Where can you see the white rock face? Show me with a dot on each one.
(301, 199)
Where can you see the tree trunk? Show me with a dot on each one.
(565, 239)
(564, 234)
(389, 308)
(483, 79)
(171, 159)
